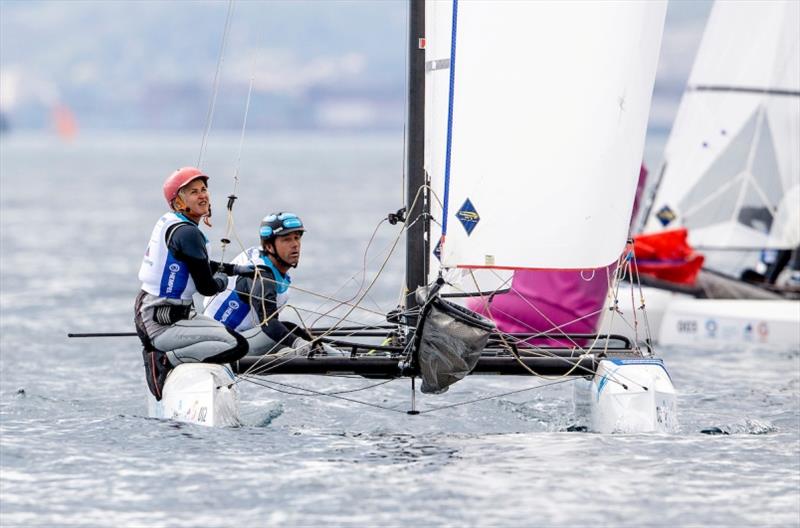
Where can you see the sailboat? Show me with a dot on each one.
(730, 184)
(526, 124)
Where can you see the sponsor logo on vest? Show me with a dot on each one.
(232, 307)
(174, 269)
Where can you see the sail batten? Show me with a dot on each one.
(549, 109)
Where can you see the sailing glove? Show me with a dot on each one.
(244, 269)
(331, 351)
(222, 281)
(301, 347)
(233, 269)
(221, 267)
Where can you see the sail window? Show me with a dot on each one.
(766, 174)
(718, 210)
(702, 203)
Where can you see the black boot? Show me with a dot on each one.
(156, 369)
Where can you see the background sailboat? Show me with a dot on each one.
(732, 176)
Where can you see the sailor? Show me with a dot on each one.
(175, 266)
(251, 304)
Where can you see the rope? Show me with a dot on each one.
(450, 118)
(491, 397)
(229, 226)
(215, 89)
(335, 395)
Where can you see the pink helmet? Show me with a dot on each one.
(181, 178)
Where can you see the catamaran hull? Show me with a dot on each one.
(678, 319)
(717, 323)
(200, 394)
(632, 396)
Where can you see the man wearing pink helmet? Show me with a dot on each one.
(174, 267)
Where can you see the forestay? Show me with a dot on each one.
(732, 173)
(550, 104)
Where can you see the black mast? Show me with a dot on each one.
(416, 253)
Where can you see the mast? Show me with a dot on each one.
(416, 255)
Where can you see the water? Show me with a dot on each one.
(77, 449)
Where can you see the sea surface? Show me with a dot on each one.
(77, 449)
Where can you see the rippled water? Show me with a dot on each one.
(77, 449)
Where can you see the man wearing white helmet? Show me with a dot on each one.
(251, 304)
(174, 267)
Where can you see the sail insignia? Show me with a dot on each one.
(468, 216)
(666, 215)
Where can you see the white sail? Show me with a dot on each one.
(732, 172)
(549, 115)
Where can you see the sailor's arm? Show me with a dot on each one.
(261, 294)
(188, 245)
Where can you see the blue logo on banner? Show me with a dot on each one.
(468, 216)
(665, 215)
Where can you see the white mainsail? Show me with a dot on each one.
(550, 105)
(732, 172)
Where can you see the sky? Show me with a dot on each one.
(148, 64)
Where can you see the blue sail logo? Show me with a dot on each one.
(468, 216)
(666, 215)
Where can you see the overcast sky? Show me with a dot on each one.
(48, 46)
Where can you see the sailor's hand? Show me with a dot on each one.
(222, 281)
(222, 267)
(245, 270)
(301, 347)
(328, 350)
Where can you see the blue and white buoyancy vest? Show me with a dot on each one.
(161, 273)
(228, 307)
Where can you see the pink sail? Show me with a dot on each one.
(544, 300)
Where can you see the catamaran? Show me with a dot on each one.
(730, 186)
(526, 125)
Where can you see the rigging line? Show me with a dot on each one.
(333, 393)
(743, 89)
(537, 333)
(542, 351)
(288, 354)
(315, 294)
(635, 274)
(385, 262)
(364, 325)
(500, 395)
(229, 228)
(363, 274)
(575, 366)
(265, 383)
(215, 89)
(405, 111)
(450, 117)
(402, 289)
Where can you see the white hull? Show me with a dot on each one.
(632, 396)
(626, 396)
(198, 393)
(678, 319)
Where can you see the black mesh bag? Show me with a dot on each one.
(450, 339)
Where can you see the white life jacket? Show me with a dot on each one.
(161, 273)
(228, 307)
